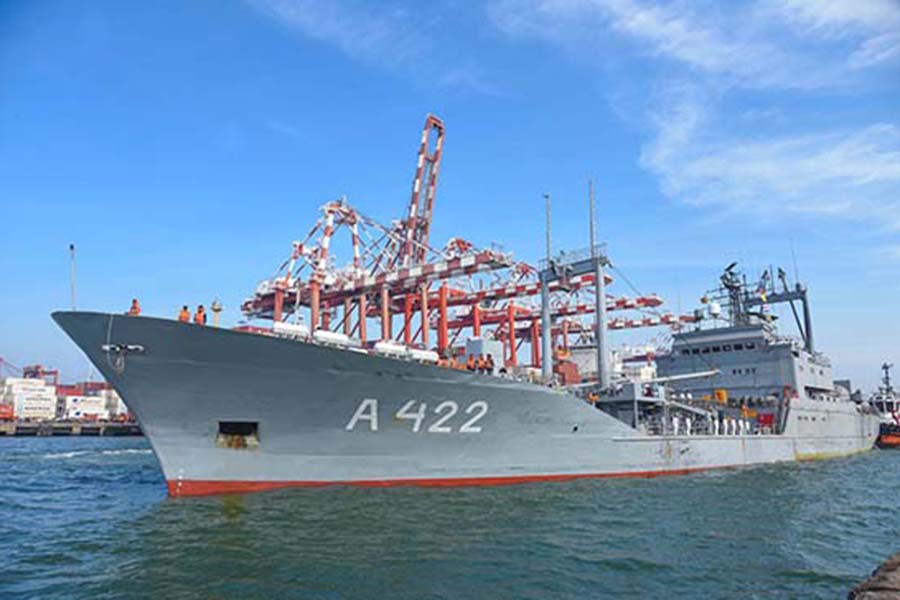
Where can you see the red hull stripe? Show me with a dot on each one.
(199, 487)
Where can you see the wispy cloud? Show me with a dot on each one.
(758, 44)
(878, 49)
(838, 17)
(851, 173)
(722, 45)
(768, 164)
(387, 34)
(359, 31)
(871, 26)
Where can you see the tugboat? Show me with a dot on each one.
(887, 402)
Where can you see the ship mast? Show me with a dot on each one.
(563, 272)
(546, 326)
(603, 370)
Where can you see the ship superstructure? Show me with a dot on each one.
(885, 400)
(758, 370)
(331, 399)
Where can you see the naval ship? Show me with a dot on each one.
(258, 409)
(305, 404)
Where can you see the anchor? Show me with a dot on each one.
(120, 351)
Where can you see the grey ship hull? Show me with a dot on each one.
(330, 416)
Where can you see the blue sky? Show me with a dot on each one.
(183, 145)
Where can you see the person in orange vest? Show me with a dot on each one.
(200, 316)
(481, 363)
(489, 364)
(470, 363)
(135, 309)
(185, 315)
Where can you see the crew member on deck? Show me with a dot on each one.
(185, 315)
(489, 364)
(481, 364)
(470, 363)
(135, 309)
(200, 316)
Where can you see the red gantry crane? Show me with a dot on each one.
(395, 273)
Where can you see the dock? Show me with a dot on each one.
(883, 584)
(68, 428)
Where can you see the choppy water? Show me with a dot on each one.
(88, 518)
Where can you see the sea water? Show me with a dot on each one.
(89, 518)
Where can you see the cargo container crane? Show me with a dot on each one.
(394, 273)
(417, 226)
(50, 376)
(10, 368)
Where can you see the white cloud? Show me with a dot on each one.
(873, 26)
(758, 44)
(875, 50)
(851, 173)
(388, 34)
(838, 17)
(361, 33)
(722, 49)
(673, 31)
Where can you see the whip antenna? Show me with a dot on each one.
(72, 274)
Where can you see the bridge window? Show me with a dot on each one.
(738, 346)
